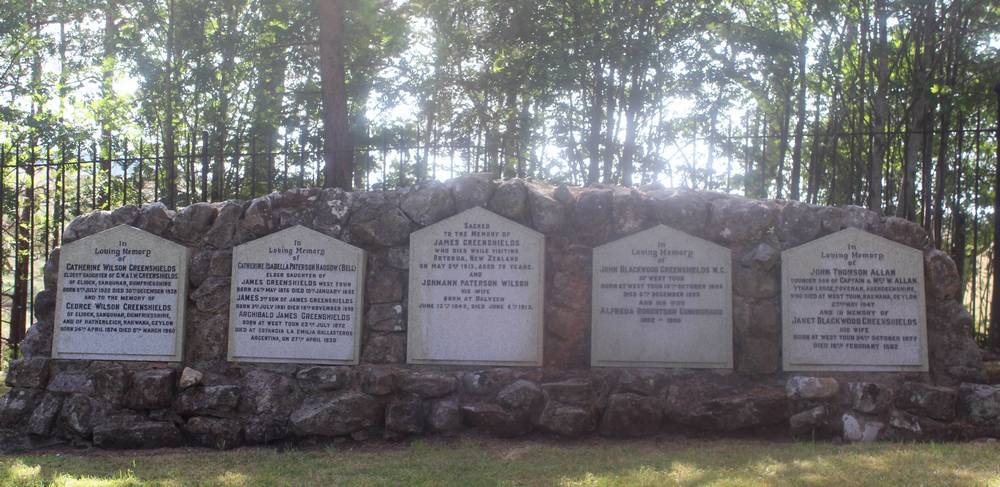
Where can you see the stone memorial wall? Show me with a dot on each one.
(509, 307)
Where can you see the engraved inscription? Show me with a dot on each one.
(475, 291)
(295, 298)
(662, 298)
(120, 296)
(854, 300)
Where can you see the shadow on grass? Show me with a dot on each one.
(490, 462)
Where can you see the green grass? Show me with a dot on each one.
(469, 462)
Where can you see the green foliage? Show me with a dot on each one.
(684, 93)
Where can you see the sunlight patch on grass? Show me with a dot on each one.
(683, 473)
(121, 479)
(233, 479)
(21, 472)
(485, 462)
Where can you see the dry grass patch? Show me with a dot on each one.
(471, 462)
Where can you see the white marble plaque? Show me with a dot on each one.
(853, 301)
(296, 298)
(121, 296)
(662, 298)
(475, 293)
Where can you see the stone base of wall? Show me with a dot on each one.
(128, 405)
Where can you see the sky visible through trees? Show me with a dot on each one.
(878, 103)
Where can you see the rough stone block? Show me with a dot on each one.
(803, 387)
(631, 415)
(860, 428)
(80, 414)
(323, 379)
(510, 200)
(17, 404)
(384, 348)
(269, 394)
(220, 433)
(869, 397)
(429, 203)
(578, 392)
(207, 400)
(444, 416)
(151, 389)
(336, 414)
(567, 420)
(32, 373)
(471, 190)
(495, 420)
(192, 222)
(927, 400)
(808, 421)
(405, 416)
(521, 396)
(428, 384)
(189, 378)
(712, 407)
(979, 403)
(132, 432)
(386, 317)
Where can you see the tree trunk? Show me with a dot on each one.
(920, 81)
(942, 175)
(958, 212)
(927, 159)
(880, 112)
(994, 335)
(833, 199)
(22, 276)
(710, 164)
(169, 149)
(337, 155)
(950, 74)
(107, 78)
(266, 116)
(221, 129)
(926, 69)
(812, 189)
(631, 129)
(751, 153)
(907, 207)
(596, 108)
(762, 164)
(800, 118)
(779, 181)
(612, 93)
(19, 313)
(747, 154)
(428, 139)
(510, 156)
(975, 218)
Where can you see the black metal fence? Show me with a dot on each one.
(43, 187)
